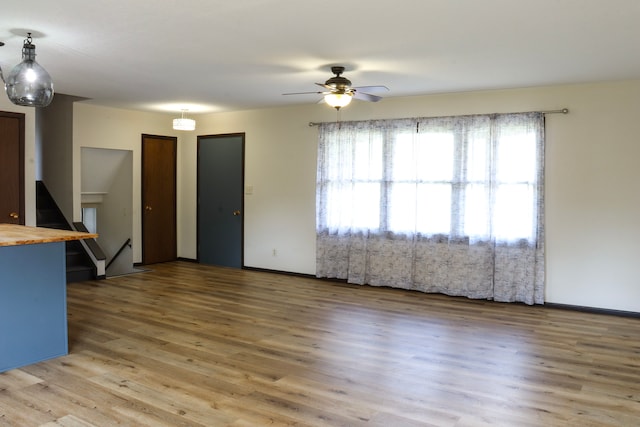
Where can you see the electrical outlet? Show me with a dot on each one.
(274, 252)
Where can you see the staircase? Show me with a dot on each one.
(79, 264)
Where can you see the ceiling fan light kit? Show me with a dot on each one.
(29, 84)
(338, 100)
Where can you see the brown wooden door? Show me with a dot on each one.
(11, 168)
(159, 242)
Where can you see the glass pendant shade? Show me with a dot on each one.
(338, 100)
(28, 84)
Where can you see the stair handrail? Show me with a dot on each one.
(124, 245)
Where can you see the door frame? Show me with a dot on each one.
(21, 198)
(242, 135)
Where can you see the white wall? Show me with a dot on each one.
(102, 127)
(280, 165)
(55, 128)
(593, 202)
(107, 177)
(115, 216)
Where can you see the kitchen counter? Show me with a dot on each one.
(33, 294)
(13, 235)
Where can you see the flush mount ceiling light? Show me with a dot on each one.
(184, 124)
(28, 84)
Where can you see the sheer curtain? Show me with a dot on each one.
(452, 205)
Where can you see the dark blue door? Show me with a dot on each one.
(221, 200)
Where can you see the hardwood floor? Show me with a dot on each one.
(190, 345)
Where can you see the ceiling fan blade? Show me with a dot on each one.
(371, 88)
(331, 88)
(305, 93)
(366, 97)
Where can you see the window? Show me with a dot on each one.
(421, 187)
(90, 218)
(471, 177)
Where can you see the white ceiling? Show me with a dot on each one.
(212, 55)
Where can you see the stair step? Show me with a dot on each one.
(48, 215)
(78, 268)
(79, 274)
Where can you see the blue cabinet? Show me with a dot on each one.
(33, 305)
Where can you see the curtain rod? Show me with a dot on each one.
(561, 111)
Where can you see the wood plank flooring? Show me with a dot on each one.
(190, 345)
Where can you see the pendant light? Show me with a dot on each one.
(184, 124)
(28, 84)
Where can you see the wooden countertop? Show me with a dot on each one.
(14, 235)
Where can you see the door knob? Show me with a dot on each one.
(236, 213)
(14, 215)
(149, 208)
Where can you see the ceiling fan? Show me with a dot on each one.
(339, 91)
